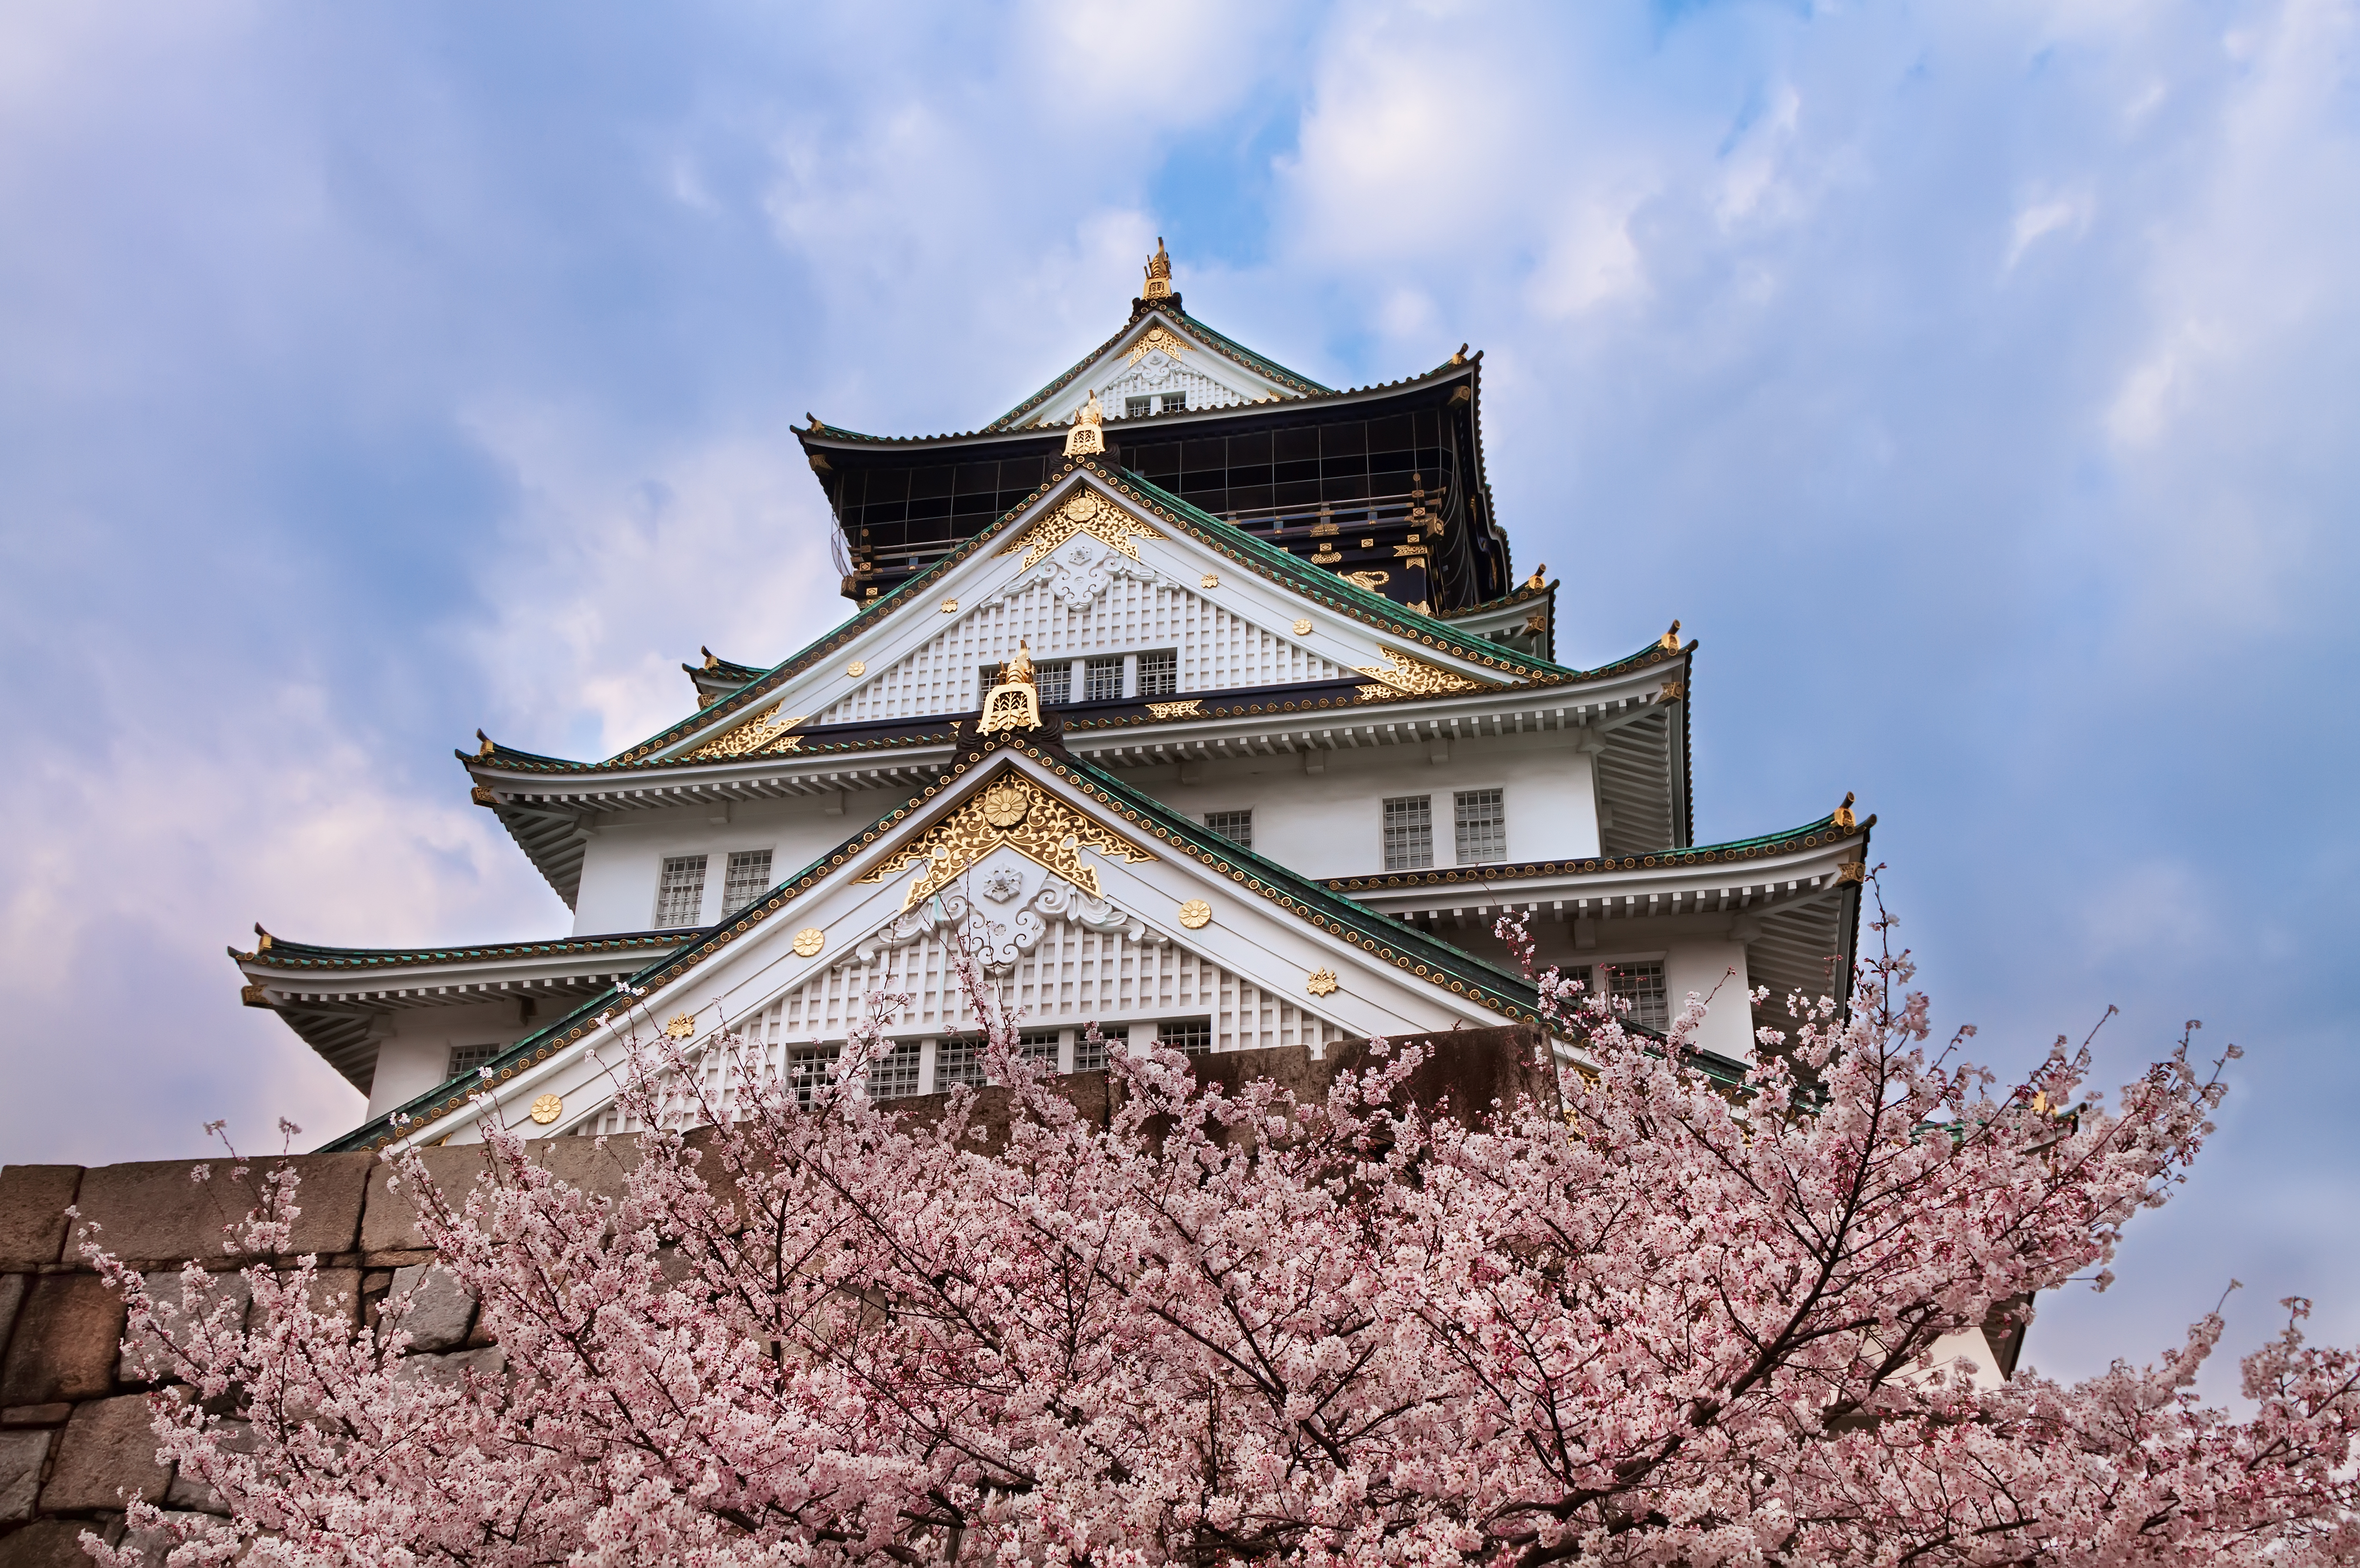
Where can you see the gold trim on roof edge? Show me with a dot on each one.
(764, 733)
(1015, 813)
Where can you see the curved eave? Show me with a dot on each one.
(337, 999)
(825, 437)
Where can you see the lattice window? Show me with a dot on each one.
(894, 1075)
(1159, 673)
(809, 1067)
(679, 892)
(1102, 680)
(748, 879)
(1038, 1045)
(1089, 1055)
(466, 1058)
(1193, 1036)
(958, 1061)
(1479, 826)
(1235, 826)
(1173, 403)
(1409, 833)
(1138, 407)
(1641, 986)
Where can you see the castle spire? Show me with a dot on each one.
(1159, 274)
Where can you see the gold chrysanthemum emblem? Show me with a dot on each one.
(1005, 805)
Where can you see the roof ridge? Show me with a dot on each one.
(426, 953)
(1810, 835)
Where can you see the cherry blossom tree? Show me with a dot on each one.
(1656, 1320)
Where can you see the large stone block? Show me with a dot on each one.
(65, 1342)
(33, 1203)
(154, 1212)
(390, 1221)
(21, 1453)
(11, 1297)
(440, 1308)
(108, 1450)
(54, 1543)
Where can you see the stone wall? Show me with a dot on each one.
(74, 1420)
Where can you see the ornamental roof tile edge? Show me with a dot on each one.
(1354, 600)
(1522, 594)
(297, 957)
(1054, 433)
(1819, 835)
(1374, 932)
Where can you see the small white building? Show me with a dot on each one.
(1302, 741)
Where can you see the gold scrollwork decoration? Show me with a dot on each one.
(1181, 710)
(1322, 983)
(1402, 676)
(1014, 811)
(771, 731)
(1083, 512)
(1371, 580)
(1154, 338)
(679, 1026)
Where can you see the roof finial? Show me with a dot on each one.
(1460, 357)
(1088, 434)
(1843, 817)
(484, 748)
(1014, 702)
(1159, 274)
(710, 662)
(264, 945)
(1539, 578)
(1670, 641)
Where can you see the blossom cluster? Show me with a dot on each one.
(1650, 1319)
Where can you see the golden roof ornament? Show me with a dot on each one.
(1088, 435)
(1844, 819)
(1539, 578)
(485, 747)
(1159, 274)
(710, 662)
(1670, 641)
(1014, 703)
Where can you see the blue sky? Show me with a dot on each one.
(1978, 382)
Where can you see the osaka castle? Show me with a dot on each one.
(1205, 704)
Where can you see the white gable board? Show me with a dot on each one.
(1085, 598)
(1105, 934)
(1158, 356)
(1232, 626)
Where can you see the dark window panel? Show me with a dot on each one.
(1248, 474)
(1294, 445)
(887, 485)
(978, 478)
(1429, 426)
(1020, 473)
(1332, 467)
(1349, 438)
(1247, 450)
(1296, 492)
(1343, 487)
(1251, 497)
(1391, 434)
(983, 506)
(1160, 459)
(1394, 462)
(1198, 455)
(929, 482)
(930, 506)
(1288, 472)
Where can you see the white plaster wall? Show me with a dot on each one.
(1331, 823)
(1699, 964)
(413, 1058)
(622, 863)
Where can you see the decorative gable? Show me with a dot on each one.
(1158, 366)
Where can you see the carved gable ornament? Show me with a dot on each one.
(1016, 812)
(771, 731)
(1402, 676)
(1083, 512)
